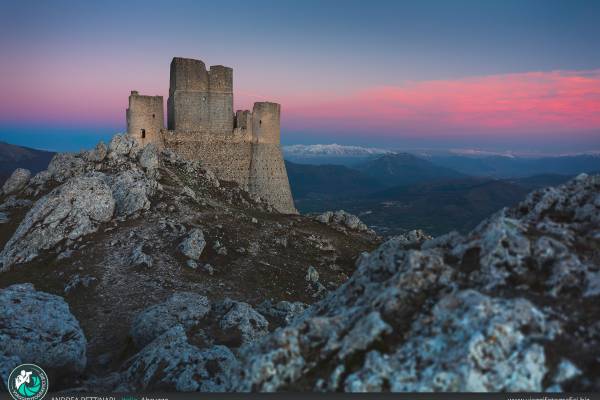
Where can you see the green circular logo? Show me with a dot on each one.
(27, 382)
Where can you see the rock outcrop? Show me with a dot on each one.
(473, 313)
(37, 327)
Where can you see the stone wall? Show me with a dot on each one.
(228, 156)
(145, 118)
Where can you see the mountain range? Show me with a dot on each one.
(394, 191)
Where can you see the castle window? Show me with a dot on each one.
(143, 133)
(153, 115)
(260, 121)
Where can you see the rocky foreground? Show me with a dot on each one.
(130, 269)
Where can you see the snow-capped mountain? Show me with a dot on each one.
(336, 150)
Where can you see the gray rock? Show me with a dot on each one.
(4, 217)
(171, 363)
(186, 309)
(284, 312)
(70, 211)
(193, 245)
(12, 202)
(132, 191)
(98, 154)
(66, 165)
(470, 343)
(17, 181)
(191, 264)
(139, 258)
(77, 282)
(7, 364)
(37, 327)
(149, 159)
(342, 218)
(312, 275)
(411, 239)
(240, 322)
(121, 146)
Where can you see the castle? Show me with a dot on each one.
(201, 125)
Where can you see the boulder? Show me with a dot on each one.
(149, 159)
(70, 211)
(37, 327)
(17, 181)
(185, 309)
(193, 245)
(171, 363)
(66, 165)
(342, 218)
(132, 191)
(239, 323)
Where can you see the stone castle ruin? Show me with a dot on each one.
(201, 125)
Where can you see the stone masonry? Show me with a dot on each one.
(243, 147)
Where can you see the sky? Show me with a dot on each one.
(495, 75)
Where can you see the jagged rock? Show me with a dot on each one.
(37, 327)
(70, 211)
(401, 323)
(412, 239)
(17, 181)
(209, 269)
(186, 309)
(312, 275)
(187, 191)
(13, 202)
(132, 191)
(98, 154)
(138, 257)
(240, 322)
(121, 145)
(171, 363)
(66, 165)
(79, 281)
(193, 245)
(4, 217)
(342, 218)
(149, 159)
(284, 312)
(469, 343)
(191, 264)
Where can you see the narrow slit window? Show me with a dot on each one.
(143, 133)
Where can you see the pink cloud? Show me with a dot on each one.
(537, 103)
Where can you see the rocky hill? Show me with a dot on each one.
(130, 269)
(117, 229)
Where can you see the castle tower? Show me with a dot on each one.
(268, 176)
(145, 118)
(200, 100)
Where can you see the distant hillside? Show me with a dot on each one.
(437, 208)
(406, 169)
(518, 167)
(12, 157)
(328, 181)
